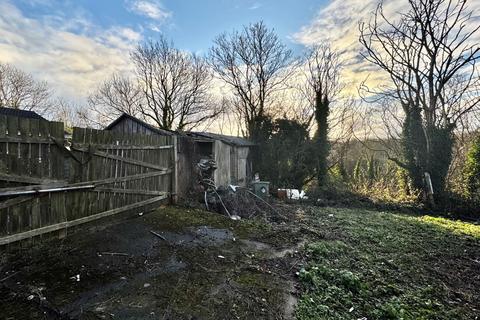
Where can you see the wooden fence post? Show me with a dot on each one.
(175, 170)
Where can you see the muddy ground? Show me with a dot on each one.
(199, 266)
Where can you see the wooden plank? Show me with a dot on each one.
(15, 201)
(3, 222)
(34, 155)
(124, 159)
(174, 190)
(12, 126)
(43, 151)
(123, 179)
(44, 210)
(56, 154)
(67, 224)
(23, 147)
(3, 127)
(46, 190)
(26, 179)
(57, 129)
(132, 191)
(25, 139)
(3, 150)
(124, 147)
(35, 215)
(12, 148)
(35, 186)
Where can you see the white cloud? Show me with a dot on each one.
(255, 6)
(72, 57)
(154, 27)
(151, 9)
(338, 23)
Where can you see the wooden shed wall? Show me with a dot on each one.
(242, 165)
(187, 158)
(232, 163)
(186, 153)
(127, 126)
(222, 175)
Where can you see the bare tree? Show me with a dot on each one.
(322, 83)
(19, 90)
(66, 112)
(175, 85)
(321, 87)
(113, 97)
(254, 63)
(430, 56)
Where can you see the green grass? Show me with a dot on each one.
(380, 265)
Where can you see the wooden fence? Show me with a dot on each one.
(46, 186)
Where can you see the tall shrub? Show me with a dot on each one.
(472, 170)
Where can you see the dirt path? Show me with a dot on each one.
(197, 266)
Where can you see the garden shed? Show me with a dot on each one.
(184, 147)
(232, 154)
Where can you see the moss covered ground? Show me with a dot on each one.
(383, 265)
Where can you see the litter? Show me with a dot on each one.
(75, 278)
(293, 194)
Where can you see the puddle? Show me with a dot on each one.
(269, 251)
(202, 236)
(213, 236)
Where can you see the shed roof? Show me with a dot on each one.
(142, 123)
(232, 140)
(21, 113)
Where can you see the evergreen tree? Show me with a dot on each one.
(472, 170)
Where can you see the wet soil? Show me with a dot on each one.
(195, 265)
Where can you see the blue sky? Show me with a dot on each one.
(74, 45)
(192, 24)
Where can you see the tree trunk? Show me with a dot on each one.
(420, 159)
(321, 144)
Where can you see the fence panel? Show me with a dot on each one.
(46, 187)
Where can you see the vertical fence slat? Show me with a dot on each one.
(41, 158)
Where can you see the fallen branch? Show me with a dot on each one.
(114, 254)
(158, 235)
(9, 276)
(268, 204)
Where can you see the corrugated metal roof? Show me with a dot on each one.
(21, 113)
(233, 140)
